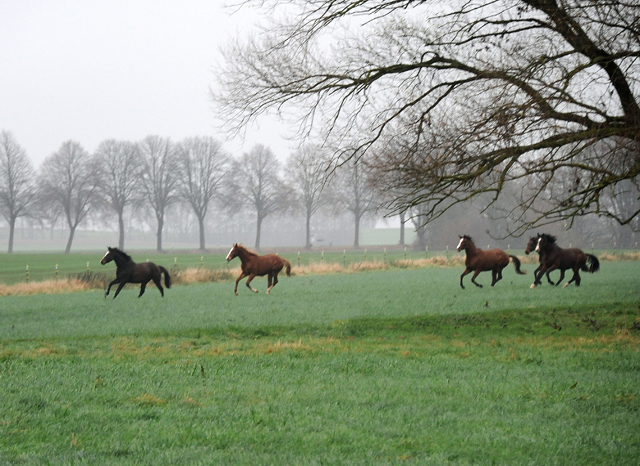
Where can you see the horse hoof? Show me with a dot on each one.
(565, 285)
(532, 286)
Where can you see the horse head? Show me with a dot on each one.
(233, 252)
(465, 241)
(115, 254)
(109, 256)
(531, 245)
(544, 242)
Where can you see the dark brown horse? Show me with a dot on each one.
(531, 246)
(128, 271)
(556, 257)
(254, 266)
(479, 260)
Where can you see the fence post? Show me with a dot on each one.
(365, 254)
(27, 274)
(202, 262)
(405, 253)
(298, 258)
(322, 256)
(385, 254)
(344, 258)
(56, 272)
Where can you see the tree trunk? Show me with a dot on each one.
(159, 234)
(201, 227)
(12, 229)
(308, 225)
(356, 240)
(258, 232)
(401, 242)
(72, 232)
(121, 234)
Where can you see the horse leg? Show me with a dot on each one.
(158, 284)
(269, 281)
(117, 280)
(561, 277)
(473, 279)
(242, 275)
(496, 276)
(275, 281)
(576, 277)
(143, 286)
(537, 276)
(120, 286)
(466, 271)
(251, 277)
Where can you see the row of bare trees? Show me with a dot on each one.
(154, 174)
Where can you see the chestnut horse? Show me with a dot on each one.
(479, 260)
(253, 265)
(556, 257)
(128, 271)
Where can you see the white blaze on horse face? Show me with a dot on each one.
(229, 255)
(460, 244)
(538, 245)
(104, 257)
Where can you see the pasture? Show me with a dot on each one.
(393, 367)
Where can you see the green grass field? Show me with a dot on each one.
(394, 367)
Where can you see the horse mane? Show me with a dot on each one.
(551, 239)
(251, 253)
(467, 237)
(123, 254)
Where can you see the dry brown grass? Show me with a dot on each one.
(204, 275)
(624, 256)
(46, 287)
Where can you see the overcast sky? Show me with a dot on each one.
(91, 70)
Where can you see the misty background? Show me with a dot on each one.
(116, 96)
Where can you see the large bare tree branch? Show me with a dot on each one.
(452, 102)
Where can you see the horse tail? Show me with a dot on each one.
(288, 266)
(594, 264)
(167, 277)
(516, 262)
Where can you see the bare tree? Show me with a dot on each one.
(259, 182)
(69, 179)
(357, 192)
(160, 178)
(484, 94)
(307, 169)
(203, 165)
(17, 190)
(120, 163)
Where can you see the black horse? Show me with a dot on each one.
(129, 272)
(554, 257)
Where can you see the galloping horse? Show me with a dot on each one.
(128, 271)
(531, 246)
(556, 257)
(254, 265)
(479, 260)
